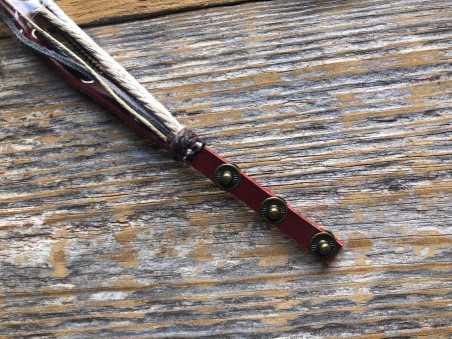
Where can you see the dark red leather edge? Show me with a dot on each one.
(97, 94)
(295, 225)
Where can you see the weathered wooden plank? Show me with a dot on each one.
(343, 108)
(94, 12)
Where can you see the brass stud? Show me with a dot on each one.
(324, 247)
(274, 210)
(227, 176)
(324, 244)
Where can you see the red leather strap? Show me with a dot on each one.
(307, 233)
(295, 225)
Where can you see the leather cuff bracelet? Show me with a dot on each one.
(42, 26)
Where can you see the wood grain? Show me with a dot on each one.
(343, 108)
(95, 12)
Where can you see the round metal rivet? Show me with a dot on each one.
(324, 244)
(274, 210)
(324, 247)
(227, 176)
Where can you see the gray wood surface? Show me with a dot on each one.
(341, 107)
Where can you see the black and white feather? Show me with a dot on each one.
(71, 46)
